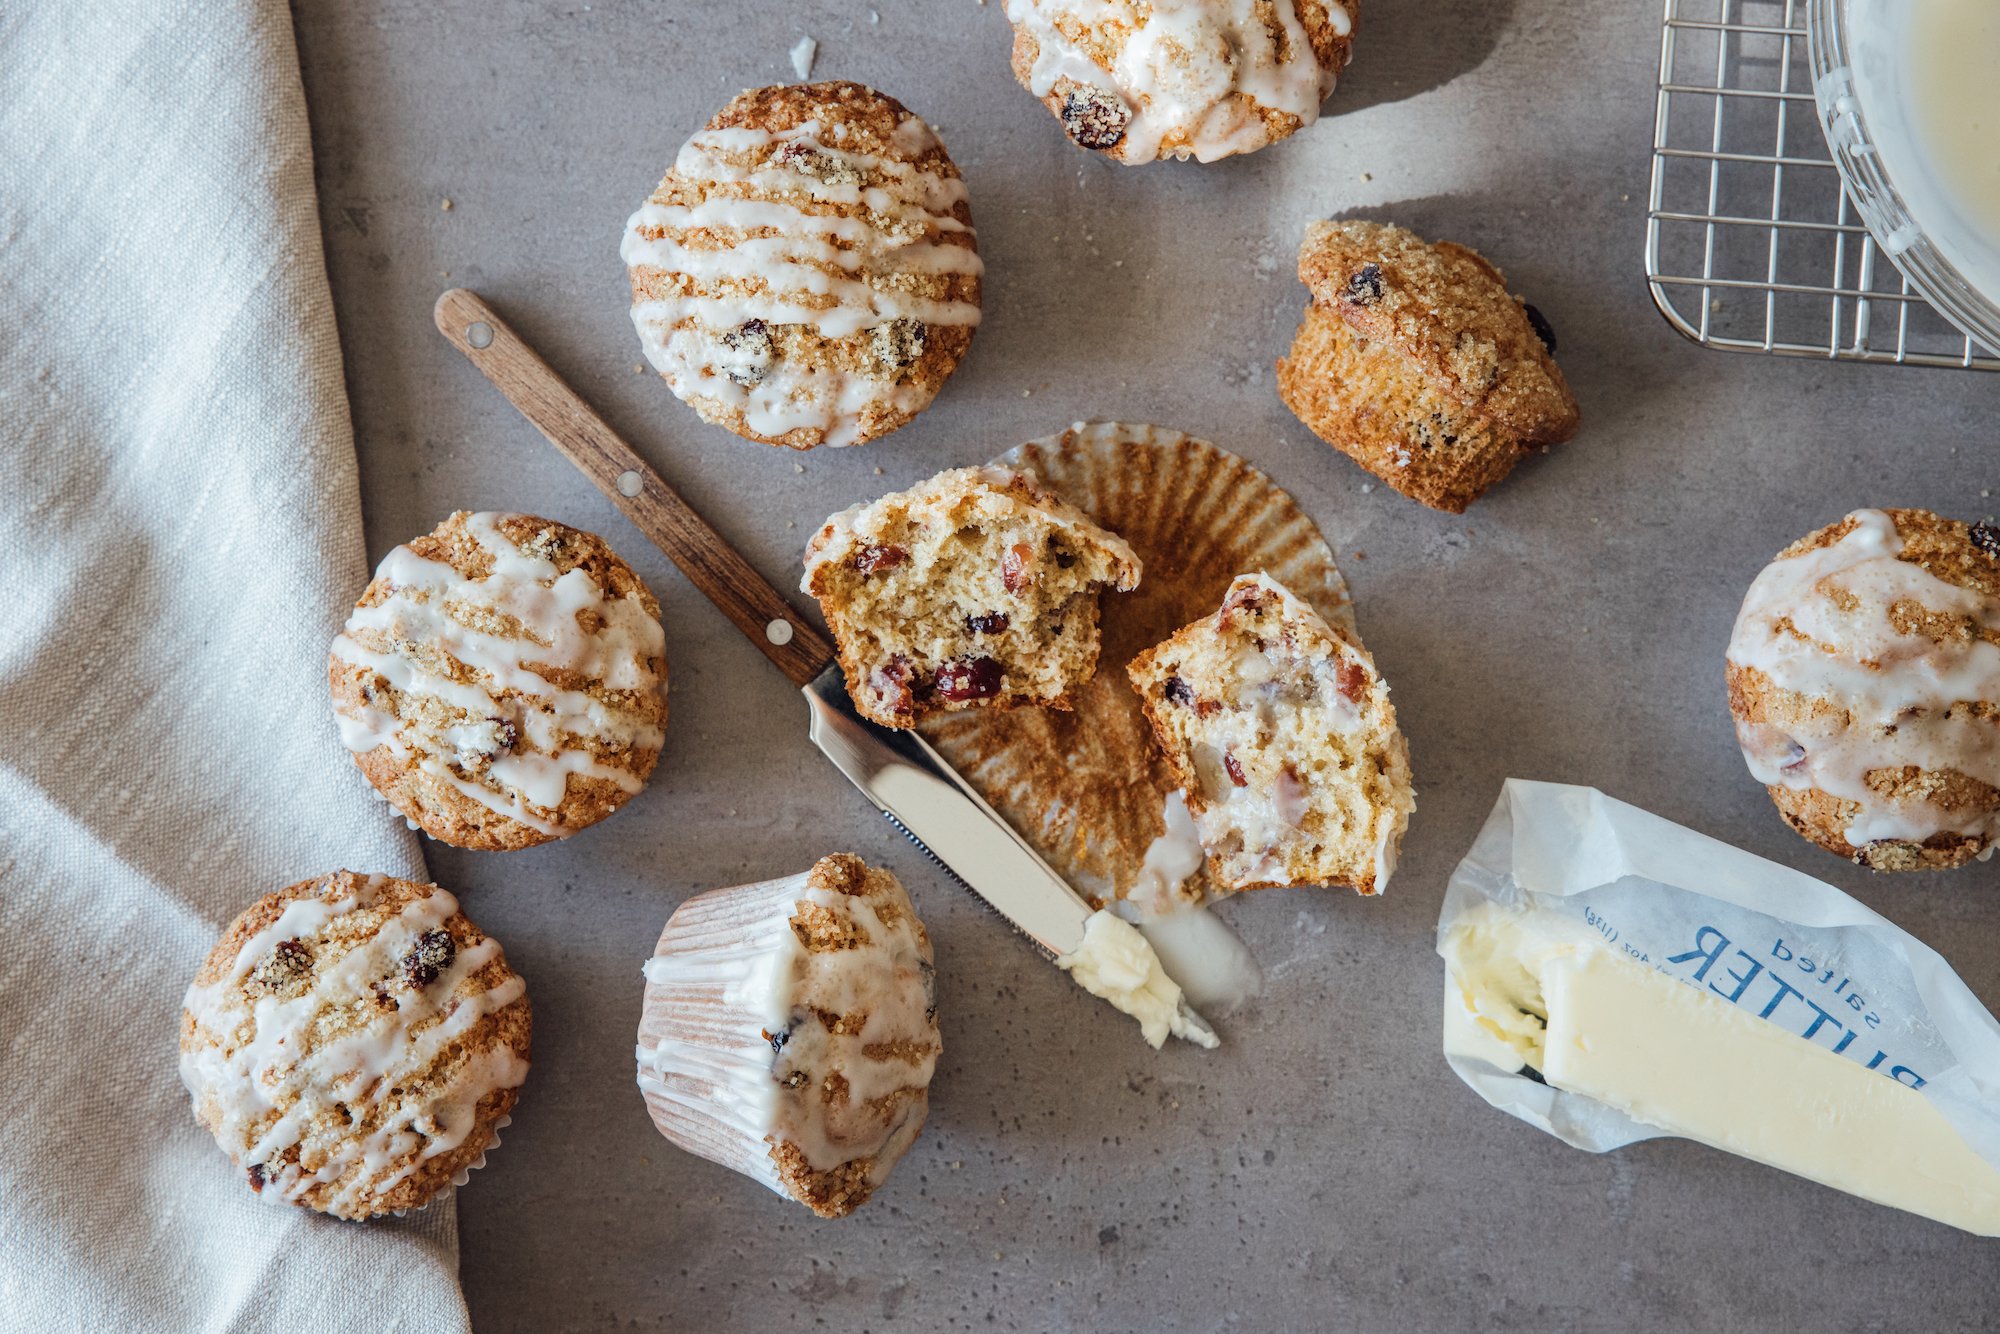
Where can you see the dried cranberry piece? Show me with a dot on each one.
(1365, 287)
(1351, 679)
(1235, 769)
(1016, 569)
(257, 1177)
(1540, 324)
(962, 679)
(751, 344)
(1987, 538)
(1095, 118)
(1247, 598)
(885, 556)
(431, 955)
(895, 684)
(991, 623)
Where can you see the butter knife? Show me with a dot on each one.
(899, 772)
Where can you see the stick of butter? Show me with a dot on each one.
(1596, 992)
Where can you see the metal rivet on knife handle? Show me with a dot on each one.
(572, 426)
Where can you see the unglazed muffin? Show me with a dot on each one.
(503, 681)
(1181, 78)
(1282, 737)
(354, 1044)
(975, 588)
(806, 274)
(1413, 360)
(1864, 676)
(789, 1031)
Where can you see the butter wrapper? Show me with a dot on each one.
(1770, 941)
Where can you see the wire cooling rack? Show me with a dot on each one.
(1752, 244)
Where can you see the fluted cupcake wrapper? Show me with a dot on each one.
(1086, 787)
(704, 1065)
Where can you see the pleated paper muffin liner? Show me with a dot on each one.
(1088, 787)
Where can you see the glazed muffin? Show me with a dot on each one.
(1864, 677)
(806, 274)
(354, 1044)
(503, 681)
(975, 588)
(1282, 737)
(1206, 79)
(790, 1031)
(1413, 360)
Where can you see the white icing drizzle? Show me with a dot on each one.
(756, 249)
(1198, 949)
(250, 1070)
(1170, 859)
(1819, 624)
(1181, 64)
(433, 607)
(734, 969)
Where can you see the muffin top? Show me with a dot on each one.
(942, 505)
(807, 274)
(354, 1043)
(502, 681)
(1447, 310)
(1190, 78)
(1865, 665)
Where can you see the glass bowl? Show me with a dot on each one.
(1857, 85)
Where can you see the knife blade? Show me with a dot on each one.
(908, 782)
(945, 817)
(898, 772)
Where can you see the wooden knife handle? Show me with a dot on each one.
(572, 426)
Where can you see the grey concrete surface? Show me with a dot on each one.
(1323, 1170)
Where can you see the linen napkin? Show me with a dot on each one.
(180, 532)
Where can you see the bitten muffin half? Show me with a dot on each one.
(1282, 738)
(789, 1031)
(503, 681)
(1413, 360)
(807, 274)
(355, 1044)
(1864, 677)
(1138, 82)
(975, 588)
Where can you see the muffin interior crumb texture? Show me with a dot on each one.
(502, 681)
(974, 588)
(1139, 82)
(354, 1044)
(807, 273)
(1864, 676)
(790, 1031)
(1284, 742)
